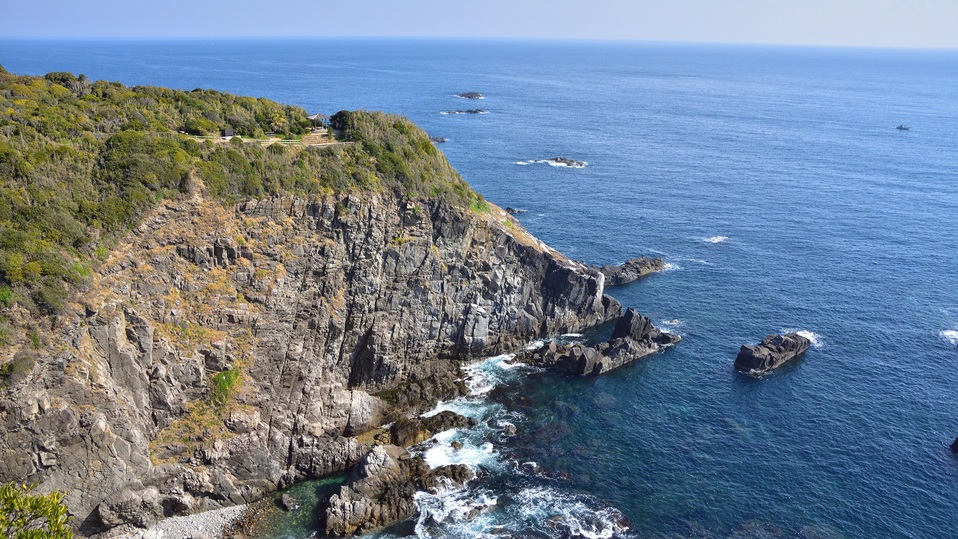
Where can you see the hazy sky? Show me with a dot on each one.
(888, 23)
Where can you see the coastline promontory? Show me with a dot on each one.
(191, 322)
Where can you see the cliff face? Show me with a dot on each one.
(224, 351)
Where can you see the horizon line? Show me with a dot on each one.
(478, 39)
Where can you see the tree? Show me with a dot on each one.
(32, 516)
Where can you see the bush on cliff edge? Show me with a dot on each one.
(32, 516)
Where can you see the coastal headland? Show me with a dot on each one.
(189, 326)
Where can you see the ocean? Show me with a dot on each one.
(775, 184)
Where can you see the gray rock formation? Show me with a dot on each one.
(773, 352)
(220, 353)
(381, 490)
(407, 432)
(630, 270)
(633, 338)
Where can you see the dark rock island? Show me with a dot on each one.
(471, 95)
(631, 270)
(773, 352)
(565, 161)
(633, 338)
(468, 111)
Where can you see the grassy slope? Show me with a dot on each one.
(81, 163)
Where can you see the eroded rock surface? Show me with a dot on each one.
(381, 490)
(222, 352)
(633, 338)
(631, 270)
(773, 352)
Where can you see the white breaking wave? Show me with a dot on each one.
(695, 261)
(453, 513)
(559, 514)
(671, 266)
(554, 163)
(716, 239)
(474, 511)
(950, 335)
(471, 454)
(816, 339)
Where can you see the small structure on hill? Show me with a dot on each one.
(319, 120)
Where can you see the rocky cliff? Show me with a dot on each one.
(222, 351)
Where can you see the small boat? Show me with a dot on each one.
(903, 128)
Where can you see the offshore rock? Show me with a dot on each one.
(330, 314)
(773, 352)
(633, 338)
(566, 162)
(631, 270)
(954, 446)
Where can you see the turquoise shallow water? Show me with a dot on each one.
(835, 223)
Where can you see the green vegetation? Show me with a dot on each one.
(81, 163)
(224, 383)
(32, 516)
(405, 159)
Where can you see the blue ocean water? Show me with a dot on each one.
(772, 180)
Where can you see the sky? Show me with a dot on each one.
(868, 23)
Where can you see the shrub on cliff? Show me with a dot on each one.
(32, 516)
(82, 162)
(405, 159)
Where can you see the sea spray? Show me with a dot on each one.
(505, 497)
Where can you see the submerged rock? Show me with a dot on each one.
(773, 352)
(288, 502)
(633, 338)
(954, 446)
(630, 270)
(471, 95)
(514, 211)
(438, 140)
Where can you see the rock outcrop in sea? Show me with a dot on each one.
(631, 270)
(467, 111)
(320, 319)
(633, 338)
(471, 95)
(773, 352)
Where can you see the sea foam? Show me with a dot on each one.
(816, 339)
(950, 335)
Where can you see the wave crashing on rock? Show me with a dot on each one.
(556, 162)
